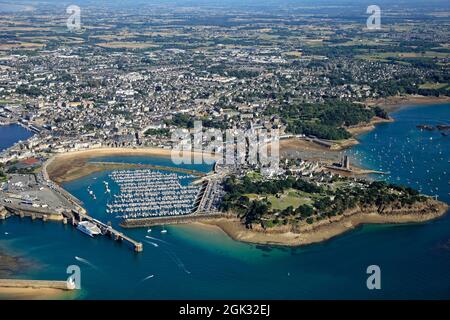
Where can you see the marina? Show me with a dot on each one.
(403, 251)
(146, 193)
(94, 227)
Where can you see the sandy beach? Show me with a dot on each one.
(395, 103)
(357, 130)
(391, 104)
(11, 265)
(34, 294)
(338, 146)
(324, 229)
(73, 165)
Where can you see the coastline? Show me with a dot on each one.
(74, 165)
(338, 145)
(19, 289)
(364, 128)
(390, 105)
(395, 103)
(27, 293)
(321, 231)
(11, 265)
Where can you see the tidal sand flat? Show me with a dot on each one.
(75, 165)
(33, 294)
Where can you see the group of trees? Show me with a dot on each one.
(379, 194)
(182, 120)
(31, 91)
(318, 130)
(157, 132)
(330, 203)
(345, 114)
(2, 174)
(252, 211)
(224, 70)
(327, 120)
(238, 188)
(13, 169)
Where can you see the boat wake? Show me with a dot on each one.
(147, 278)
(177, 261)
(152, 238)
(170, 253)
(86, 262)
(152, 243)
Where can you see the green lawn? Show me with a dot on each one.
(255, 176)
(290, 198)
(430, 85)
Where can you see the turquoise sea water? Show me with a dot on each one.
(190, 263)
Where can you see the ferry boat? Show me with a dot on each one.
(89, 228)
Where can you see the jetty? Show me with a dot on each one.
(35, 284)
(125, 166)
(33, 213)
(151, 222)
(76, 217)
(73, 217)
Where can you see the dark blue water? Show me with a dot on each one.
(11, 134)
(195, 263)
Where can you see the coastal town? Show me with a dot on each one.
(296, 88)
(89, 93)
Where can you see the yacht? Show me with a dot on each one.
(89, 228)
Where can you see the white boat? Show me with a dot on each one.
(89, 228)
(163, 231)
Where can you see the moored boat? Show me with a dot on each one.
(89, 228)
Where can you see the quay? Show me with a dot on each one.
(119, 165)
(76, 217)
(73, 217)
(191, 218)
(33, 213)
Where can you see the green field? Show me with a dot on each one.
(383, 56)
(290, 198)
(435, 86)
(255, 176)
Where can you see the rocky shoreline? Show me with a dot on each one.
(331, 227)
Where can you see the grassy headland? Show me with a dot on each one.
(293, 211)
